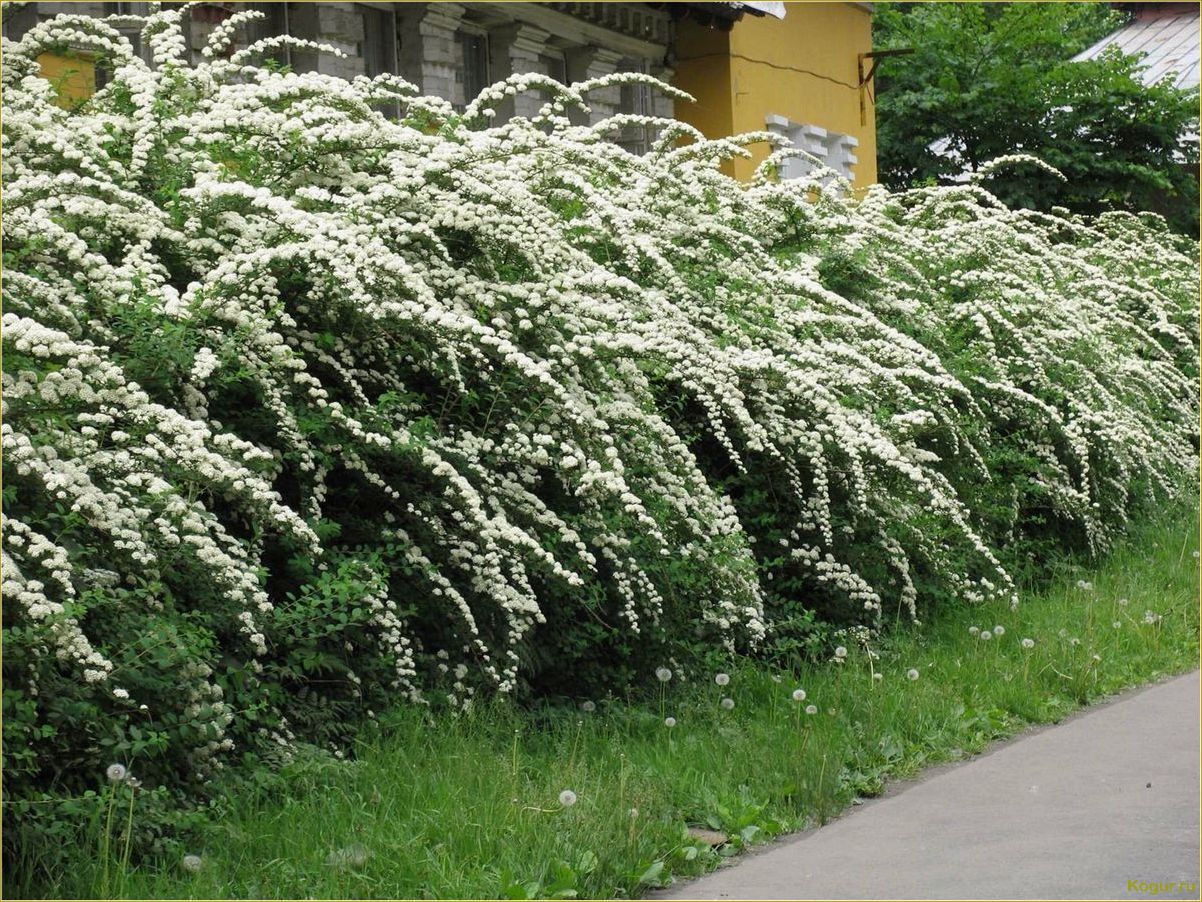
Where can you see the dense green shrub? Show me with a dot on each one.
(309, 411)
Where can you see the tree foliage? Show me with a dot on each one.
(992, 79)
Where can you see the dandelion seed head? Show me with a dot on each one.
(840, 652)
(811, 709)
(115, 773)
(986, 635)
(588, 707)
(191, 863)
(1028, 643)
(973, 630)
(567, 798)
(728, 703)
(663, 674)
(722, 679)
(669, 722)
(999, 631)
(799, 695)
(912, 674)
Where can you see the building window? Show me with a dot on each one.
(636, 100)
(278, 22)
(379, 47)
(556, 65)
(473, 75)
(831, 149)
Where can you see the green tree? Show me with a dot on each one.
(992, 79)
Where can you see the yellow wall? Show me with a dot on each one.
(74, 77)
(802, 67)
(703, 69)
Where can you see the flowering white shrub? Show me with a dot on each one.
(306, 408)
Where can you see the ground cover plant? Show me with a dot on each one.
(470, 806)
(311, 413)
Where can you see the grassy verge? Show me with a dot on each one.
(470, 807)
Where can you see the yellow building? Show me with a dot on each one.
(798, 75)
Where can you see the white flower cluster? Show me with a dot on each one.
(513, 364)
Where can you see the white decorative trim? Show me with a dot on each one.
(830, 149)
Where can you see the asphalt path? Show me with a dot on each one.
(1103, 805)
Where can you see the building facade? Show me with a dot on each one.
(789, 67)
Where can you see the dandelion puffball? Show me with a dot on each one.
(973, 630)
(669, 722)
(588, 707)
(912, 674)
(799, 695)
(567, 798)
(999, 631)
(986, 635)
(811, 709)
(728, 703)
(722, 679)
(663, 674)
(115, 773)
(840, 652)
(878, 676)
(1028, 643)
(191, 863)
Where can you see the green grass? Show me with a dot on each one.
(468, 807)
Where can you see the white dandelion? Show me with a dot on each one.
(974, 630)
(811, 709)
(912, 674)
(663, 674)
(191, 863)
(999, 631)
(588, 707)
(669, 722)
(722, 679)
(727, 703)
(840, 652)
(115, 773)
(1028, 643)
(986, 635)
(567, 798)
(799, 695)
